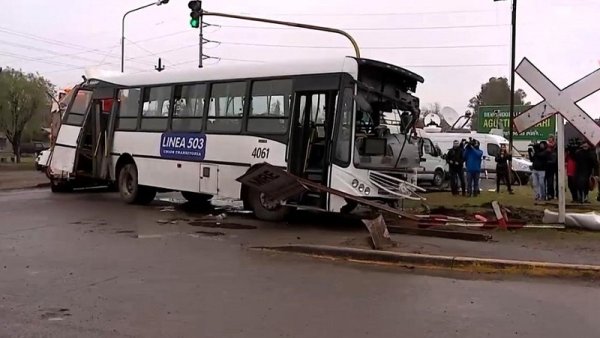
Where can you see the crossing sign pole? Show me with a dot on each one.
(564, 103)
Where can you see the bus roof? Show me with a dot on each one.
(349, 65)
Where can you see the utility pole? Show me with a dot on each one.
(160, 67)
(512, 75)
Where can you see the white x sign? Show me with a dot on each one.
(559, 101)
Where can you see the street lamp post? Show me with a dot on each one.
(157, 3)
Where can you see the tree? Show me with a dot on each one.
(494, 92)
(432, 108)
(22, 96)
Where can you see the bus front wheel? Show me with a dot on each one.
(131, 192)
(265, 208)
(58, 186)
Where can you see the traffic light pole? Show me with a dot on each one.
(286, 23)
(512, 75)
(200, 44)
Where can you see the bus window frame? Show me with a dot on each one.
(287, 117)
(65, 118)
(205, 98)
(141, 117)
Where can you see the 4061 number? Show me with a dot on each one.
(260, 153)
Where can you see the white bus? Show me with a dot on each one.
(196, 131)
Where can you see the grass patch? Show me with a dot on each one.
(27, 163)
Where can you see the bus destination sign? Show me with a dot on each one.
(183, 146)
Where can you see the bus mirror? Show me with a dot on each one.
(423, 159)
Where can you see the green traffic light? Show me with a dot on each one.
(195, 23)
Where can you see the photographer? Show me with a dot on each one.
(456, 161)
(473, 156)
(503, 167)
(539, 159)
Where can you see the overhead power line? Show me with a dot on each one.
(377, 28)
(365, 47)
(375, 14)
(58, 43)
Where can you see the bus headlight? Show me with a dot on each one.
(354, 183)
(361, 188)
(367, 191)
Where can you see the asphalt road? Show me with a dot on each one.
(73, 266)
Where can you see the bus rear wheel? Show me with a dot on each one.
(265, 208)
(196, 198)
(131, 192)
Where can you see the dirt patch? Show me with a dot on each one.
(530, 216)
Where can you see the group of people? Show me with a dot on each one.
(581, 163)
(465, 156)
(581, 169)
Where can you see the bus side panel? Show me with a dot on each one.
(63, 156)
(176, 175)
(228, 186)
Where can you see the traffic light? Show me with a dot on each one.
(196, 7)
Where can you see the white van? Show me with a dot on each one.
(434, 167)
(490, 145)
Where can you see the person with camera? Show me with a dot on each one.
(503, 167)
(473, 157)
(455, 160)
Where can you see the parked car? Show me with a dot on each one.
(34, 147)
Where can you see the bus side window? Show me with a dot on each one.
(129, 103)
(156, 99)
(270, 107)
(189, 107)
(226, 107)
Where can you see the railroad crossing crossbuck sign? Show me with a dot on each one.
(559, 101)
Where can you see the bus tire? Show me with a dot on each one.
(129, 189)
(57, 186)
(266, 209)
(195, 197)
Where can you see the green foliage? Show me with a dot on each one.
(494, 92)
(24, 103)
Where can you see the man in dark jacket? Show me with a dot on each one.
(456, 161)
(551, 172)
(586, 165)
(539, 159)
(503, 167)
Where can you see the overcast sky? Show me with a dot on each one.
(455, 45)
